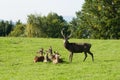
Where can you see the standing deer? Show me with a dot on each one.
(76, 47)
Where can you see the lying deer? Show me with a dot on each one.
(76, 47)
(56, 58)
(40, 52)
(47, 57)
(39, 58)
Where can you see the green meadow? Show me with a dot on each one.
(17, 54)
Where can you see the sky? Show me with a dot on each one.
(19, 9)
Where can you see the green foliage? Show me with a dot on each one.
(5, 27)
(16, 60)
(45, 26)
(99, 19)
(19, 30)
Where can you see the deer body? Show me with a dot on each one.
(76, 47)
(38, 59)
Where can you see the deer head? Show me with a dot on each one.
(40, 52)
(50, 50)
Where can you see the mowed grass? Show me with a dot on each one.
(16, 60)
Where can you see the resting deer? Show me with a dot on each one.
(56, 58)
(39, 58)
(40, 52)
(76, 47)
(46, 57)
(49, 55)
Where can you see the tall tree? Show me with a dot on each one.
(55, 23)
(19, 30)
(33, 23)
(99, 19)
(5, 27)
(2, 28)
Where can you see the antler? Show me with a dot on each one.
(62, 33)
(67, 36)
(70, 34)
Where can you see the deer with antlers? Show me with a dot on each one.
(76, 47)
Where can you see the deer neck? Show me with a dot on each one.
(66, 43)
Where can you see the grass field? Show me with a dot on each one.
(16, 60)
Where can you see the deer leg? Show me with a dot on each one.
(85, 56)
(70, 57)
(91, 55)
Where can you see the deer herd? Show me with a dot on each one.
(50, 56)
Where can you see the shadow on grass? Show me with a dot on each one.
(110, 60)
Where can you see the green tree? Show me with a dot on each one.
(5, 27)
(19, 30)
(54, 23)
(33, 23)
(99, 19)
(2, 28)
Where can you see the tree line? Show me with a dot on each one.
(98, 19)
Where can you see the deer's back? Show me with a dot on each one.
(78, 47)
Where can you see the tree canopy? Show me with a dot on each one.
(45, 26)
(98, 19)
(5, 27)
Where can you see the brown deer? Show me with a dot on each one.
(49, 55)
(40, 52)
(46, 57)
(76, 47)
(57, 58)
(54, 57)
(39, 58)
